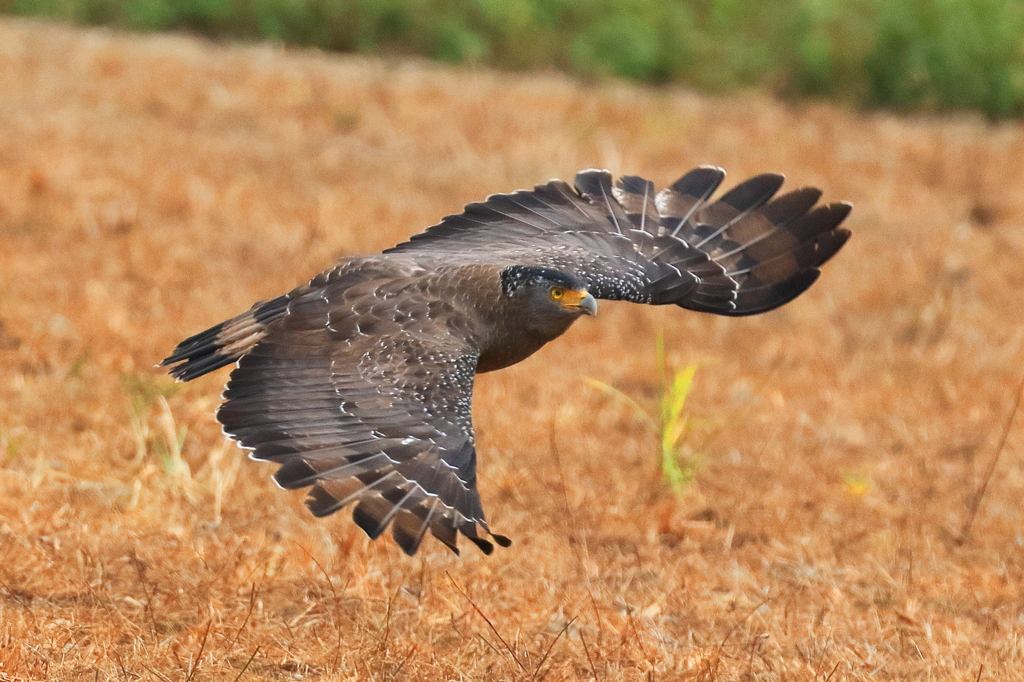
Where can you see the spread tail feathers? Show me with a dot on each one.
(224, 343)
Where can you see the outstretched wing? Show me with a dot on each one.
(740, 255)
(362, 390)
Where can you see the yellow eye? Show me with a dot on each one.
(557, 292)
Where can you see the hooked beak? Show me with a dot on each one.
(588, 304)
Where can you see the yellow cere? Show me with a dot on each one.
(569, 297)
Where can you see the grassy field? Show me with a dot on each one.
(152, 186)
(908, 55)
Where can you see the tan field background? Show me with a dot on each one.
(153, 186)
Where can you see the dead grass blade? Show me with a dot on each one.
(586, 650)
(334, 615)
(978, 496)
(246, 666)
(511, 651)
(253, 591)
(156, 673)
(197, 661)
(832, 672)
(547, 653)
(709, 671)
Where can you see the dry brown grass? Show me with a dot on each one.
(152, 186)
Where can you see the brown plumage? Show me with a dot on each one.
(359, 383)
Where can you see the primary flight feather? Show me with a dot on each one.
(359, 383)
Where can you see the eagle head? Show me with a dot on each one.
(548, 294)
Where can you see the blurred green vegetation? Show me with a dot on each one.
(931, 55)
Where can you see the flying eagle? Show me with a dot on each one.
(359, 383)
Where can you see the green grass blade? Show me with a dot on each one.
(620, 397)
